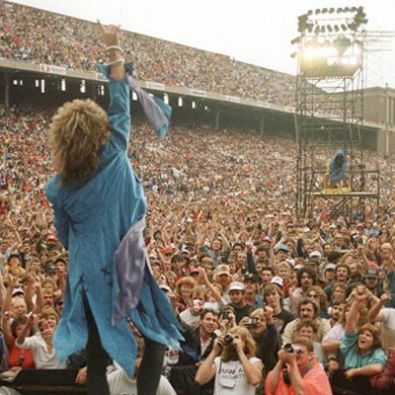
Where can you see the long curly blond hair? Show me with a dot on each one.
(78, 131)
(229, 353)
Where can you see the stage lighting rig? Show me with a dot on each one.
(328, 43)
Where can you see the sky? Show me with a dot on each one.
(253, 31)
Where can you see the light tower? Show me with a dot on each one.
(329, 114)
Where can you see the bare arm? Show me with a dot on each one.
(296, 378)
(368, 370)
(9, 339)
(26, 330)
(275, 376)
(253, 371)
(216, 295)
(352, 318)
(3, 293)
(30, 292)
(330, 345)
(374, 312)
(206, 369)
(10, 290)
(111, 37)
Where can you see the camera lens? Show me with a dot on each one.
(228, 339)
(288, 347)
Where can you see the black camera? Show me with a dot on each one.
(252, 323)
(228, 340)
(287, 379)
(225, 315)
(288, 348)
(357, 239)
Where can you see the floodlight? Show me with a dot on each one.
(319, 52)
(331, 10)
(296, 40)
(302, 21)
(317, 11)
(324, 11)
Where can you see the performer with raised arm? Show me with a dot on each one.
(99, 208)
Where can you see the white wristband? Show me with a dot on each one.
(110, 47)
(116, 62)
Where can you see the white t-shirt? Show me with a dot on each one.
(387, 316)
(120, 384)
(230, 378)
(337, 332)
(42, 358)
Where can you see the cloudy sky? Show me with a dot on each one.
(254, 31)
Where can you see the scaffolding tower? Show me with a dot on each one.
(329, 117)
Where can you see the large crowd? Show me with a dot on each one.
(38, 36)
(255, 289)
(223, 242)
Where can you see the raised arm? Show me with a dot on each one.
(352, 318)
(9, 339)
(214, 292)
(119, 108)
(207, 368)
(25, 331)
(374, 312)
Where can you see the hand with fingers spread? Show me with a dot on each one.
(111, 37)
(385, 297)
(110, 33)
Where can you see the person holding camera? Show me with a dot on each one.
(232, 364)
(197, 345)
(264, 332)
(226, 320)
(297, 372)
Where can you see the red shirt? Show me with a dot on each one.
(19, 357)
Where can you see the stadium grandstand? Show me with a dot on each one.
(221, 190)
